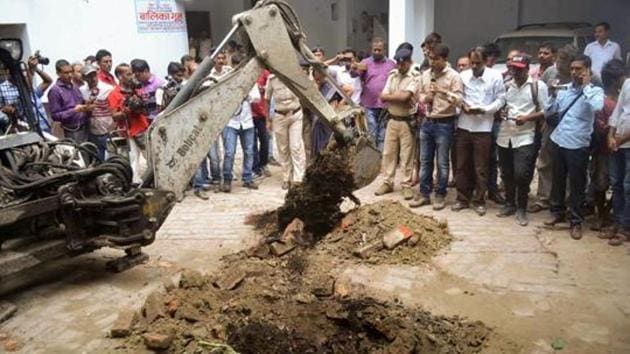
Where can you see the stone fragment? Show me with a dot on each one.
(188, 313)
(413, 240)
(293, 231)
(191, 279)
(172, 306)
(397, 236)
(153, 307)
(158, 341)
(7, 310)
(259, 251)
(124, 323)
(279, 249)
(364, 252)
(323, 286)
(232, 279)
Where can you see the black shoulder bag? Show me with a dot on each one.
(554, 119)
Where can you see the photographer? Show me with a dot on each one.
(174, 82)
(67, 105)
(10, 98)
(150, 84)
(129, 111)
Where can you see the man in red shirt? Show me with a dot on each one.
(129, 112)
(259, 112)
(104, 61)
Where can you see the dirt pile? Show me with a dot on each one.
(316, 201)
(288, 305)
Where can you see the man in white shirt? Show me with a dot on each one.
(340, 70)
(95, 92)
(484, 94)
(241, 126)
(619, 143)
(525, 100)
(603, 49)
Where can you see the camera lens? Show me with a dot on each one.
(43, 60)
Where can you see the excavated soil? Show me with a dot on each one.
(280, 296)
(279, 307)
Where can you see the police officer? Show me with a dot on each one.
(399, 94)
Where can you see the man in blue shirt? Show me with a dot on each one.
(576, 103)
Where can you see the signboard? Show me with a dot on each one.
(159, 16)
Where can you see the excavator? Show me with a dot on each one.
(57, 199)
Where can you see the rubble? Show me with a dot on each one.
(158, 341)
(279, 249)
(231, 279)
(153, 307)
(124, 323)
(397, 236)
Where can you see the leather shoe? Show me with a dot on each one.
(480, 210)
(576, 232)
(557, 219)
(496, 197)
(459, 206)
(201, 195)
(506, 210)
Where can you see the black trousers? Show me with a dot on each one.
(517, 171)
(261, 152)
(574, 164)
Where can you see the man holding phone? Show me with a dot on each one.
(575, 105)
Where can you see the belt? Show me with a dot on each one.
(401, 118)
(441, 120)
(284, 113)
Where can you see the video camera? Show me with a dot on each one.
(133, 101)
(41, 59)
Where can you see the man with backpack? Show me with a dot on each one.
(525, 100)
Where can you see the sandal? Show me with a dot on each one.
(536, 208)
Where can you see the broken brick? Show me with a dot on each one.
(259, 251)
(10, 345)
(158, 341)
(124, 323)
(348, 220)
(279, 249)
(413, 240)
(397, 236)
(231, 280)
(172, 306)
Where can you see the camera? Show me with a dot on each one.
(41, 59)
(133, 101)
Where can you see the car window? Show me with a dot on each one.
(529, 45)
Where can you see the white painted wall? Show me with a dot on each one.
(221, 12)
(74, 29)
(318, 25)
(410, 21)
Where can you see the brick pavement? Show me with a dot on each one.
(529, 283)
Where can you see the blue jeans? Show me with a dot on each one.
(246, 137)
(101, 144)
(376, 126)
(435, 139)
(619, 169)
(493, 175)
(202, 177)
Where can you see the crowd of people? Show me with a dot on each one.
(565, 119)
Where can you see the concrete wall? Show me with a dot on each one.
(464, 24)
(221, 12)
(73, 29)
(319, 26)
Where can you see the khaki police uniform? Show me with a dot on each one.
(399, 139)
(287, 129)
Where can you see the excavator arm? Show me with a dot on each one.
(180, 138)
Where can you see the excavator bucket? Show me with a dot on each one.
(365, 162)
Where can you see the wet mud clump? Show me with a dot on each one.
(316, 201)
